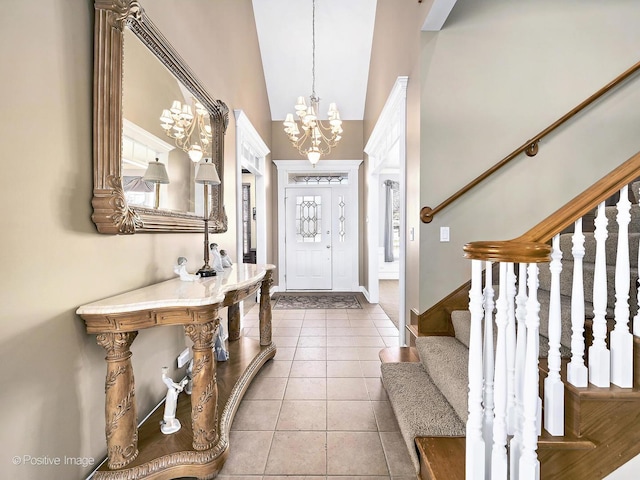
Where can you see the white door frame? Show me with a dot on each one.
(250, 154)
(390, 128)
(350, 167)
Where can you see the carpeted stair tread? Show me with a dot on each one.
(588, 269)
(461, 320)
(611, 247)
(420, 408)
(612, 213)
(446, 360)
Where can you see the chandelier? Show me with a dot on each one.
(192, 133)
(311, 137)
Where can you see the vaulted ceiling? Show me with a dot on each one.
(343, 38)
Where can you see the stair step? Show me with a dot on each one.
(399, 354)
(441, 458)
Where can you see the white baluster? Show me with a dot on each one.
(475, 448)
(511, 348)
(499, 450)
(599, 356)
(488, 366)
(621, 339)
(515, 446)
(529, 463)
(553, 386)
(576, 370)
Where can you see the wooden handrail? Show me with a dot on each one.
(530, 147)
(528, 247)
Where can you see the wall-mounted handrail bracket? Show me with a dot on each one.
(532, 149)
(425, 215)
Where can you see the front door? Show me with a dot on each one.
(308, 238)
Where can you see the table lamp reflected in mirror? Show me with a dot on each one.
(207, 175)
(156, 173)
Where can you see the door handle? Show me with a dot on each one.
(328, 246)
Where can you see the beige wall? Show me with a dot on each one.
(396, 52)
(497, 74)
(52, 394)
(349, 148)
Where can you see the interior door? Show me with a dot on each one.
(308, 238)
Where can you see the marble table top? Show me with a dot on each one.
(177, 293)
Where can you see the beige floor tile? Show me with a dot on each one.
(376, 389)
(368, 353)
(275, 368)
(311, 353)
(350, 415)
(286, 331)
(303, 415)
(285, 353)
(306, 389)
(370, 342)
(312, 342)
(355, 453)
(347, 389)
(313, 331)
(338, 331)
(391, 341)
(370, 368)
(341, 341)
(344, 368)
(337, 313)
(395, 450)
(287, 323)
(342, 353)
(251, 459)
(384, 324)
(309, 368)
(337, 322)
(385, 418)
(388, 332)
(285, 341)
(365, 331)
(314, 323)
(315, 314)
(360, 323)
(266, 388)
(309, 458)
(257, 415)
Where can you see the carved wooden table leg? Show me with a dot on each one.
(265, 309)
(233, 317)
(204, 393)
(120, 405)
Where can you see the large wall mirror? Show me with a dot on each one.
(137, 76)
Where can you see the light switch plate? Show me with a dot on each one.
(444, 234)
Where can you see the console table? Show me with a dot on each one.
(200, 447)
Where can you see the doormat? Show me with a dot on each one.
(303, 302)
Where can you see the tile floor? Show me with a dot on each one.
(318, 409)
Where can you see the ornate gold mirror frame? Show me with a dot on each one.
(111, 213)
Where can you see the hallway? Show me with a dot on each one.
(319, 408)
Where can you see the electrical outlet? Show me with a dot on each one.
(184, 357)
(444, 234)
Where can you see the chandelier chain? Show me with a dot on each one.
(313, 49)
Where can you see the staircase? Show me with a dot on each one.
(531, 409)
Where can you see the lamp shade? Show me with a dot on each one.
(207, 173)
(156, 173)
